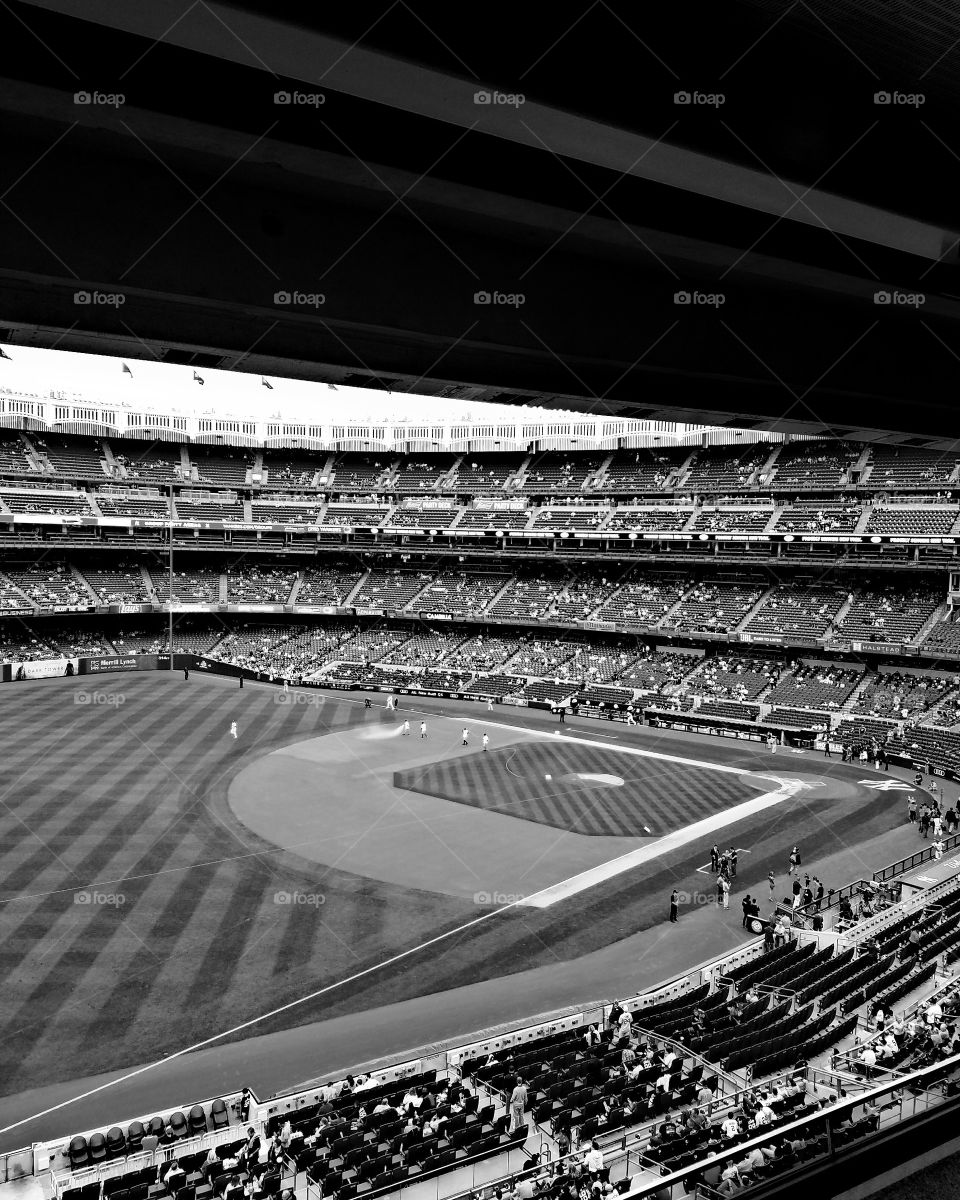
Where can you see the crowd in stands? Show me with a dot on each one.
(329, 586)
(817, 685)
(826, 518)
(390, 588)
(714, 607)
(660, 670)
(900, 695)
(735, 677)
(888, 612)
(261, 585)
(459, 593)
(798, 610)
(49, 586)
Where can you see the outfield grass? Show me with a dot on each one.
(183, 935)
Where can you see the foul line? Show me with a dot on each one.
(160, 1062)
(670, 841)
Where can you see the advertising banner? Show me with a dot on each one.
(125, 662)
(46, 668)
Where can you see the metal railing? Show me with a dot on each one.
(914, 860)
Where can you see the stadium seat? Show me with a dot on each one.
(178, 1126)
(116, 1142)
(78, 1151)
(97, 1147)
(219, 1115)
(198, 1119)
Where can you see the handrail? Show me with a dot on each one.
(951, 842)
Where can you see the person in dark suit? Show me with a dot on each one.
(251, 1149)
(674, 905)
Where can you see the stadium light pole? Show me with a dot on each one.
(170, 579)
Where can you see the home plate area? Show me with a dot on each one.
(581, 789)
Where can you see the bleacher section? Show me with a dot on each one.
(221, 467)
(47, 503)
(188, 586)
(815, 464)
(79, 458)
(633, 520)
(901, 695)
(387, 588)
(725, 520)
(285, 514)
(49, 584)
(289, 470)
(528, 597)
(645, 470)
(330, 585)
(922, 519)
(570, 518)
(494, 518)
(643, 602)
(714, 607)
(889, 613)
(487, 472)
(261, 585)
(816, 686)
(893, 467)
(554, 471)
(13, 455)
(725, 468)
(423, 473)
(149, 462)
(206, 510)
(135, 507)
(819, 517)
(119, 585)
(797, 610)
(353, 515)
(734, 677)
(659, 671)
(459, 593)
(361, 474)
(421, 518)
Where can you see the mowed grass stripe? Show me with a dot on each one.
(80, 952)
(112, 841)
(95, 866)
(182, 912)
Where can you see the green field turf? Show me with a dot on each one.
(185, 931)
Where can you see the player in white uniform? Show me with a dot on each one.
(423, 729)
(466, 736)
(406, 729)
(486, 741)
(233, 729)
